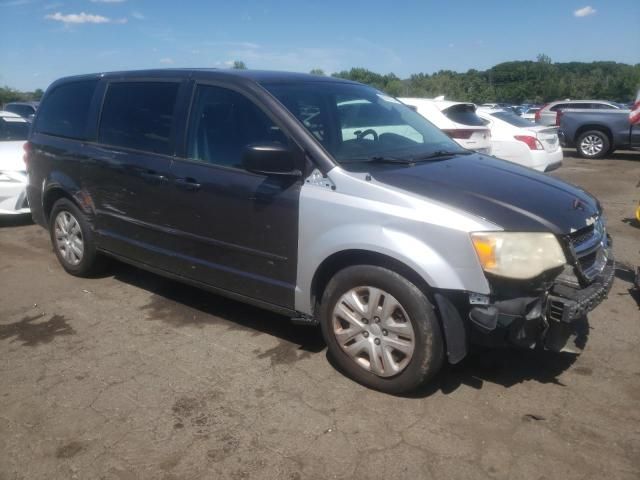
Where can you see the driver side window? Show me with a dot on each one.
(223, 122)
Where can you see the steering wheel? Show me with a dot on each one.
(368, 131)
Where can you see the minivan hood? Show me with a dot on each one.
(513, 197)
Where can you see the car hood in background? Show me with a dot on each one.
(11, 156)
(513, 197)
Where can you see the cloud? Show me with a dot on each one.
(584, 11)
(166, 61)
(137, 15)
(82, 17)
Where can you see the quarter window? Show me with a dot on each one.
(139, 115)
(223, 122)
(65, 110)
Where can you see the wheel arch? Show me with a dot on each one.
(594, 126)
(451, 324)
(51, 196)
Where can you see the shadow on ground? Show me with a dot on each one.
(182, 305)
(15, 220)
(623, 155)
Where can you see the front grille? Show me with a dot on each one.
(582, 235)
(589, 248)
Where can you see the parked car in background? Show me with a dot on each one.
(26, 110)
(456, 119)
(597, 133)
(547, 114)
(406, 249)
(530, 114)
(519, 141)
(14, 131)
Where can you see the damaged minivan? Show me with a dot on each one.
(324, 200)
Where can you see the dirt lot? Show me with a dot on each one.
(134, 376)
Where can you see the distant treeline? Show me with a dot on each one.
(11, 95)
(514, 82)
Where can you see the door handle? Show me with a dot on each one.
(187, 184)
(153, 177)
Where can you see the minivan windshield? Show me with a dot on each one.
(356, 123)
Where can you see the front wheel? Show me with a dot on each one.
(381, 329)
(593, 144)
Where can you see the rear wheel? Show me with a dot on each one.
(593, 144)
(381, 329)
(72, 240)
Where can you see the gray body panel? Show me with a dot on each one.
(615, 122)
(363, 214)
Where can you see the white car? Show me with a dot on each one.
(13, 175)
(530, 114)
(456, 119)
(519, 141)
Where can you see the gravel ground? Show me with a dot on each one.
(133, 376)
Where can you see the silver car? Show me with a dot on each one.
(547, 115)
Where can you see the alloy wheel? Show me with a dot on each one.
(591, 145)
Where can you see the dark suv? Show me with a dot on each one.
(324, 200)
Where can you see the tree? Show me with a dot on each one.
(239, 65)
(317, 71)
(543, 58)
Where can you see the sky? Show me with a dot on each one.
(44, 40)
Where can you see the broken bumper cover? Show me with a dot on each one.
(555, 321)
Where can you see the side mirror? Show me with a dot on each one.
(270, 159)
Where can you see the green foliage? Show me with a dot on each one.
(515, 82)
(11, 95)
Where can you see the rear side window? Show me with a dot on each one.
(64, 110)
(512, 119)
(139, 115)
(464, 114)
(22, 110)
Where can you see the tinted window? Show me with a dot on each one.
(223, 122)
(512, 119)
(559, 106)
(602, 106)
(139, 115)
(22, 110)
(11, 130)
(64, 110)
(464, 114)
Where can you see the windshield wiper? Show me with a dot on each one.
(441, 153)
(380, 159)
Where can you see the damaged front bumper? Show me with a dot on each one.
(554, 319)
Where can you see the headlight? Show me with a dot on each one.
(517, 255)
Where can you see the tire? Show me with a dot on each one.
(73, 240)
(352, 341)
(593, 144)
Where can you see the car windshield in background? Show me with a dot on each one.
(465, 114)
(358, 123)
(512, 119)
(13, 131)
